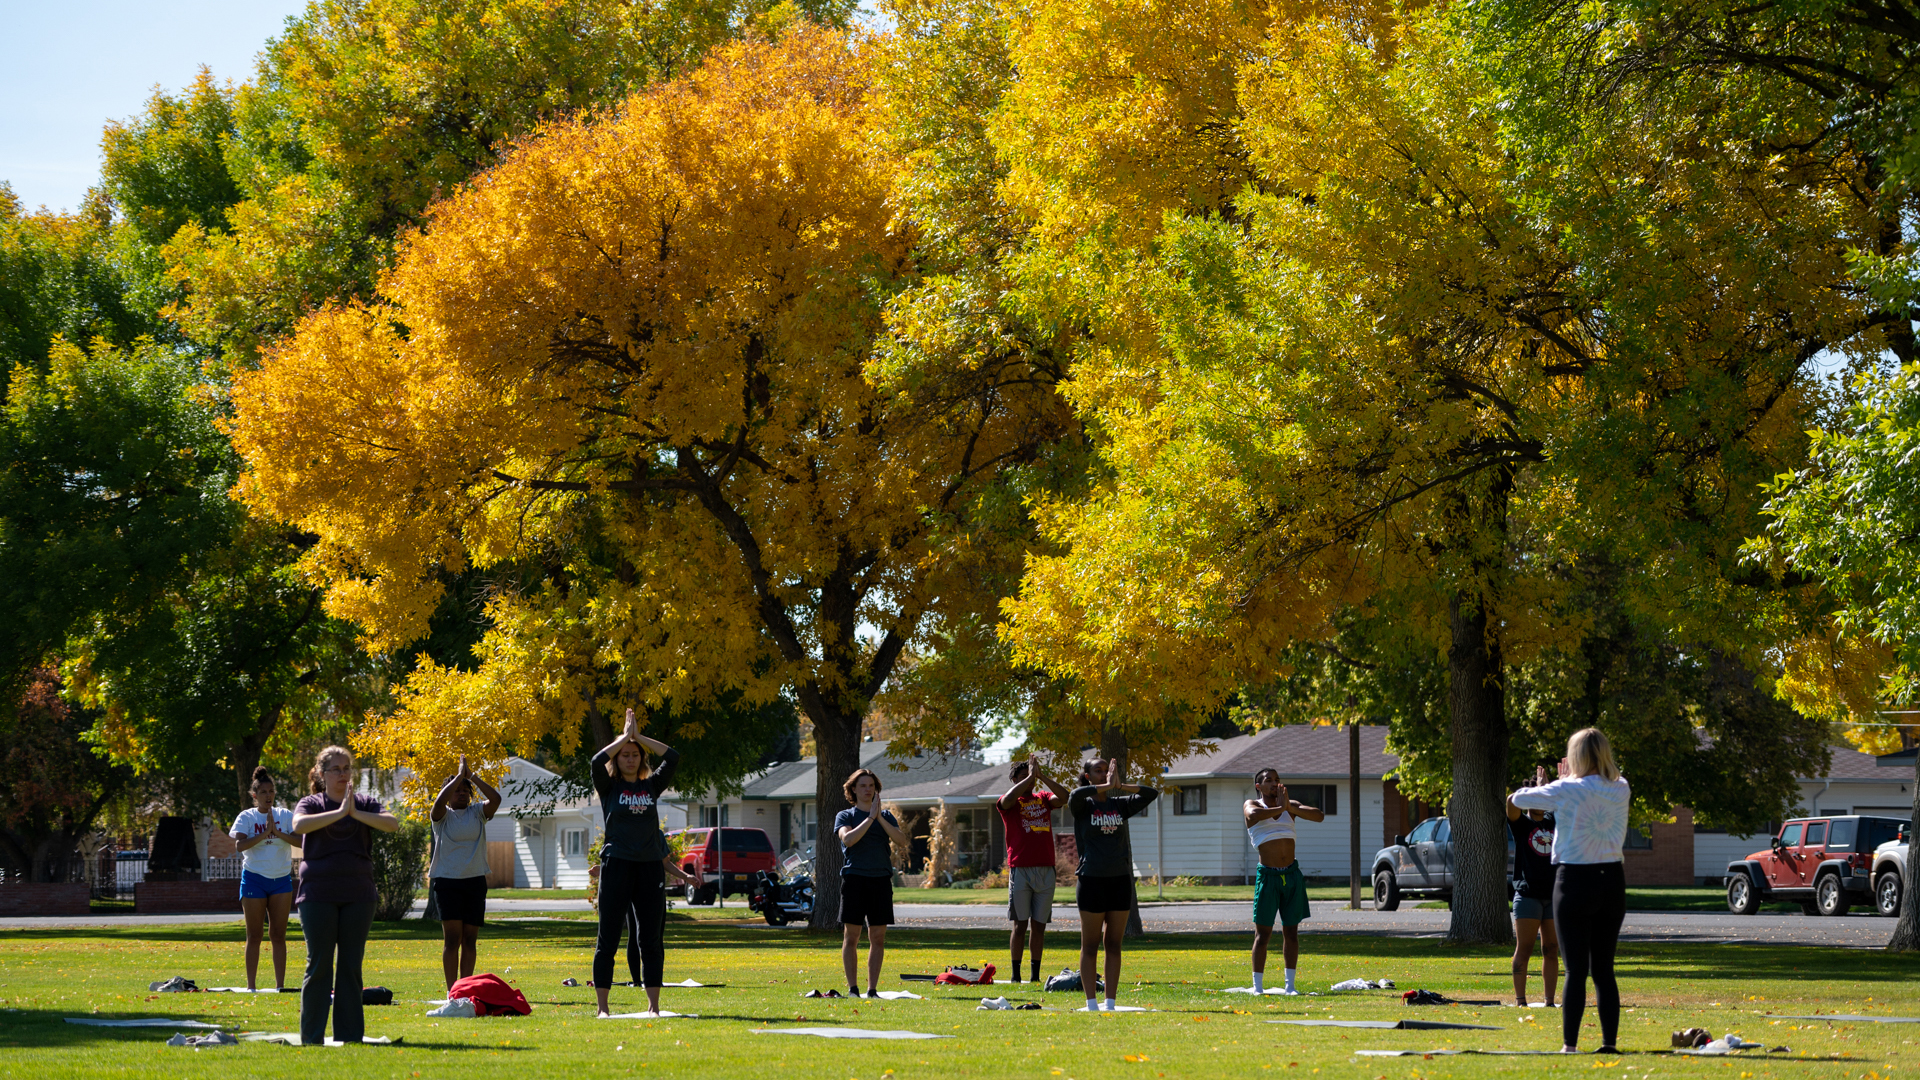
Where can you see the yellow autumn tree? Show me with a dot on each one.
(1351, 343)
(634, 355)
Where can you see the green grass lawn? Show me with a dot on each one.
(49, 974)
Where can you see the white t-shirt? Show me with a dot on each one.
(273, 858)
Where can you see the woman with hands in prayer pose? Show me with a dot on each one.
(264, 836)
(633, 884)
(1100, 809)
(458, 872)
(337, 895)
(866, 878)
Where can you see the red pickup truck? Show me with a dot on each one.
(724, 860)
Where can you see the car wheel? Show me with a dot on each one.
(1829, 897)
(1808, 907)
(1886, 893)
(1386, 891)
(1741, 899)
(704, 894)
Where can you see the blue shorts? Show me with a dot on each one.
(1538, 910)
(255, 887)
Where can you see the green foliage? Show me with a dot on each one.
(400, 866)
(73, 276)
(167, 167)
(113, 480)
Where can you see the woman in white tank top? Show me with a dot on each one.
(1279, 889)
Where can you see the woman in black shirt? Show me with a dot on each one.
(1533, 896)
(1100, 809)
(632, 881)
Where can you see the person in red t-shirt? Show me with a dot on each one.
(1028, 818)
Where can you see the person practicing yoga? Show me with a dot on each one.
(1100, 808)
(337, 895)
(1533, 896)
(866, 878)
(1027, 815)
(633, 883)
(1589, 804)
(264, 836)
(674, 873)
(1279, 888)
(457, 873)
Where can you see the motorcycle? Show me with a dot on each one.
(783, 900)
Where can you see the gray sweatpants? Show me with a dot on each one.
(330, 982)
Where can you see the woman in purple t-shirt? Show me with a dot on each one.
(337, 896)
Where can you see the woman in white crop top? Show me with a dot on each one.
(1589, 804)
(1279, 889)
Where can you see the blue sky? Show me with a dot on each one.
(69, 66)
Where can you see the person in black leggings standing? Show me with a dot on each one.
(1589, 805)
(633, 883)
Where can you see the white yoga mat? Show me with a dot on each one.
(1449, 1053)
(152, 1021)
(689, 984)
(900, 995)
(292, 1038)
(661, 1015)
(244, 990)
(1116, 1008)
(847, 1033)
(1858, 1019)
(1274, 991)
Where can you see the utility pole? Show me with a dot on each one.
(1353, 800)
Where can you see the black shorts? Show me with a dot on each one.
(462, 899)
(866, 901)
(1102, 894)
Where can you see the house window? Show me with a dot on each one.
(971, 838)
(1638, 840)
(1322, 797)
(573, 842)
(1193, 800)
(529, 831)
(713, 817)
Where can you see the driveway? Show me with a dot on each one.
(1722, 928)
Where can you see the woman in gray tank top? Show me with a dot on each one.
(458, 872)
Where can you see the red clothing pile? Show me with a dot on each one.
(491, 996)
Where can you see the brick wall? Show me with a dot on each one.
(185, 897)
(42, 898)
(1670, 860)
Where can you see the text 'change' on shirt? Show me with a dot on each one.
(1100, 829)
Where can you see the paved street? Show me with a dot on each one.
(1852, 931)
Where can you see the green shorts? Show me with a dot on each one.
(1282, 891)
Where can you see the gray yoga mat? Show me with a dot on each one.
(152, 1021)
(847, 1033)
(1387, 1025)
(292, 1038)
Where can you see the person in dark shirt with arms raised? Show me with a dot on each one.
(633, 883)
(1533, 895)
(1100, 808)
(866, 878)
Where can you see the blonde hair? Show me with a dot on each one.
(314, 778)
(1589, 753)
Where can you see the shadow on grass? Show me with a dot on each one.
(48, 1028)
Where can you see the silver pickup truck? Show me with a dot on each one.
(1420, 864)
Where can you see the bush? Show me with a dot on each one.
(399, 865)
(1184, 881)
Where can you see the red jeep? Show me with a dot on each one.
(726, 862)
(1822, 862)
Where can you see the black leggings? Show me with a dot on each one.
(631, 894)
(1589, 904)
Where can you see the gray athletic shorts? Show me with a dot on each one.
(1030, 893)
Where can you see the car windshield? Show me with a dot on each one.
(1877, 831)
(1423, 831)
(1790, 835)
(1841, 836)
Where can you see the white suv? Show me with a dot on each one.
(1889, 874)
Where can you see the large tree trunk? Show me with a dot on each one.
(245, 756)
(836, 743)
(1906, 929)
(1476, 699)
(1113, 747)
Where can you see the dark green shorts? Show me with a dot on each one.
(1280, 891)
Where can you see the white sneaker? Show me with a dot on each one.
(994, 1003)
(462, 1007)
